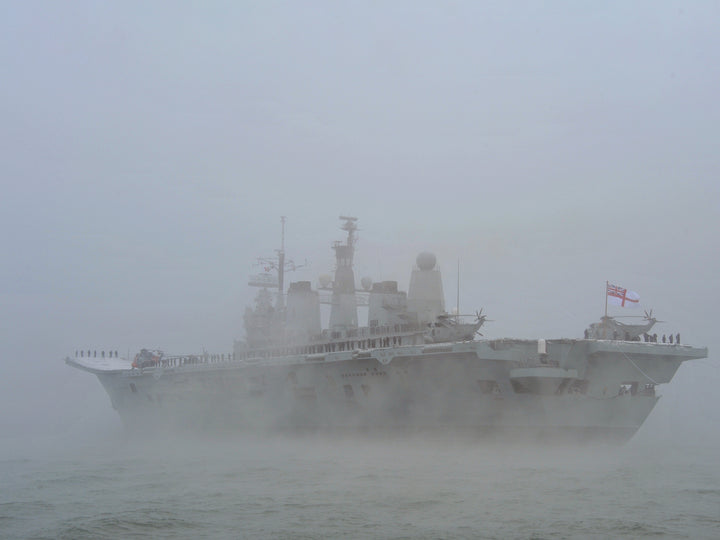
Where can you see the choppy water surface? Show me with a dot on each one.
(325, 487)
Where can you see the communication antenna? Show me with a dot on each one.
(457, 305)
(265, 279)
(281, 262)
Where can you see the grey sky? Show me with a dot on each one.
(148, 150)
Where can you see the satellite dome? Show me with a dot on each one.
(366, 283)
(426, 261)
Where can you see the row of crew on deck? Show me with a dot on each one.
(151, 359)
(243, 353)
(665, 339)
(647, 338)
(94, 354)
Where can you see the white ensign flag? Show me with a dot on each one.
(617, 296)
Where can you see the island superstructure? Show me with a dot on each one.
(411, 366)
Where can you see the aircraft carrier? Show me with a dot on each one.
(412, 367)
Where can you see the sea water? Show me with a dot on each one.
(325, 486)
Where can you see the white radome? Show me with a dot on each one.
(426, 260)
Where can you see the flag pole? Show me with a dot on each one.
(607, 283)
(457, 306)
(604, 324)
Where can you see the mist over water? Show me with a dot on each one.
(148, 151)
(330, 486)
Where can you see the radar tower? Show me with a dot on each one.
(343, 313)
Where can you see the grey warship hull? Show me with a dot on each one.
(412, 367)
(579, 389)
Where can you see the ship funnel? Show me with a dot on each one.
(302, 314)
(387, 305)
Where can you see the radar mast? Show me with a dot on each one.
(343, 313)
(279, 265)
